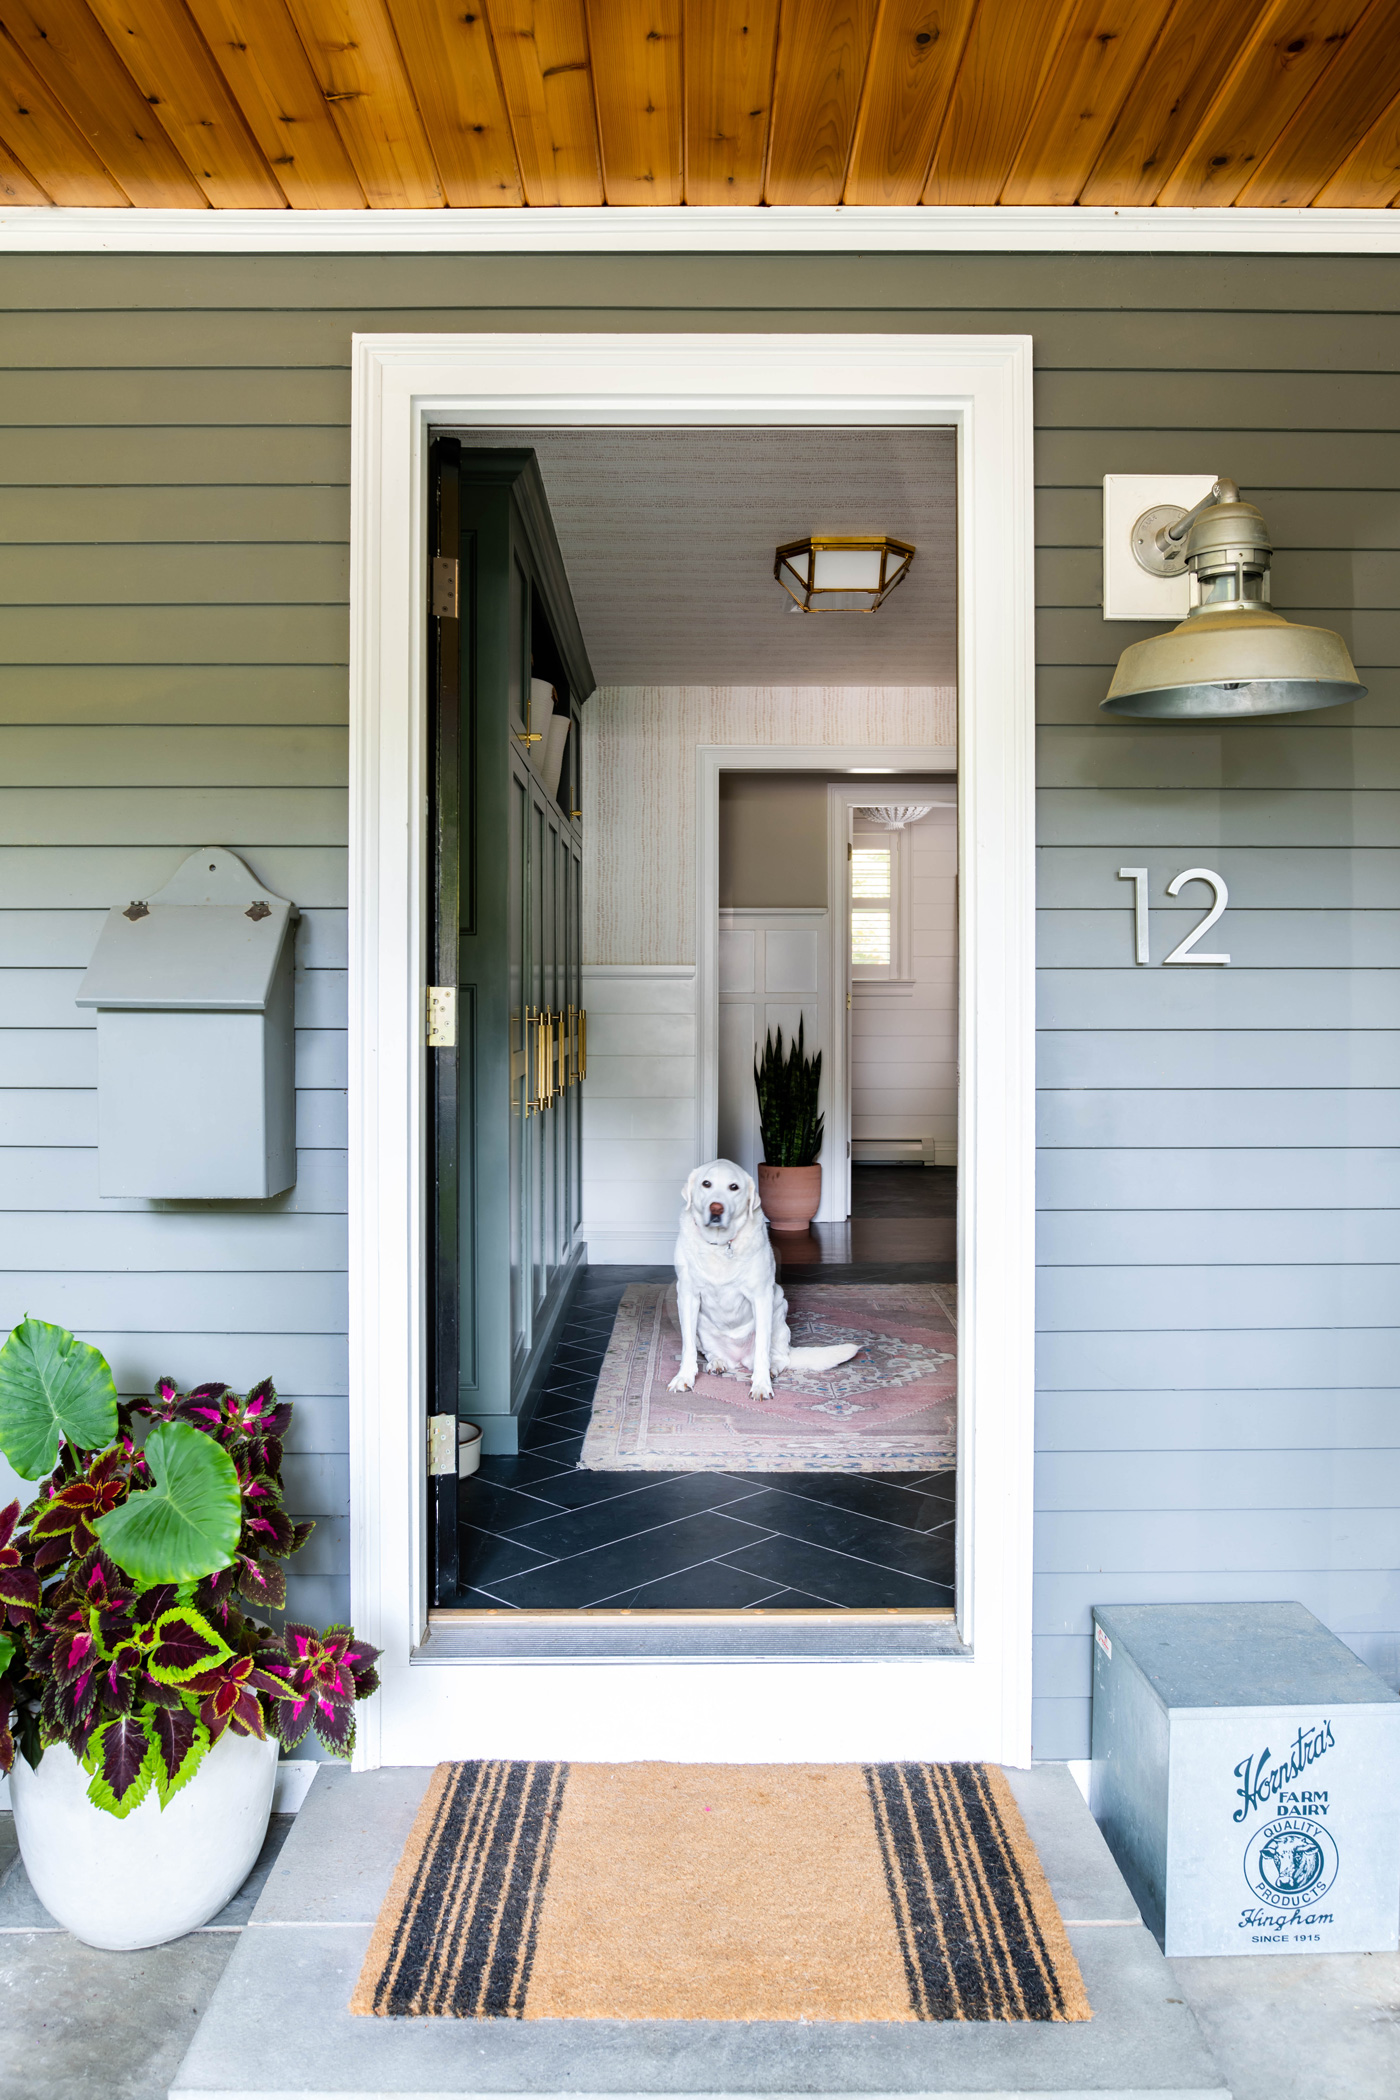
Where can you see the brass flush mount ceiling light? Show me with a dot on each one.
(826, 574)
(1232, 655)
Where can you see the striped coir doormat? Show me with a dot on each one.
(720, 1892)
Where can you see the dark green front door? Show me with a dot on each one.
(510, 675)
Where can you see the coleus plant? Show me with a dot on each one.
(125, 1586)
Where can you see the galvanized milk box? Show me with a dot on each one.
(1246, 1774)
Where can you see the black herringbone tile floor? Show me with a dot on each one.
(538, 1534)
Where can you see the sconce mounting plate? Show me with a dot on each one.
(1138, 583)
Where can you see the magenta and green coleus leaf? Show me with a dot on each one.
(19, 1585)
(320, 1677)
(132, 1641)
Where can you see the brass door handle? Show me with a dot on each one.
(524, 1064)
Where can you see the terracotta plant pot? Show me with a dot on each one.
(791, 1196)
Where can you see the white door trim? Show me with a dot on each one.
(712, 760)
(840, 801)
(976, 1705)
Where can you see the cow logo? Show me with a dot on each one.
(1291, 1862)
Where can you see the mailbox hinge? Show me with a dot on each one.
(444, 587)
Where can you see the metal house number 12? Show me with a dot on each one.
(1182, 952)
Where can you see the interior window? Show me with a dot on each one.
(873, 930)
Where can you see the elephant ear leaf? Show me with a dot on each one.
(52, 1387)
(184, 1526)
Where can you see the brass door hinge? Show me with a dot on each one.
(442, 1016)
(442, 1443)
(444, 587)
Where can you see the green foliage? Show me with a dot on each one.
(123, 1632)
(53, 1389)
(788, 1088)
(187, 1525)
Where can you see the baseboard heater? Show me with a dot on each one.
(895, 1152)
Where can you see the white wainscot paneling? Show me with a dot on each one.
(639, 1107)
(774, 968)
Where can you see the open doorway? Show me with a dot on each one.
(597, 1490)
(963, 1692)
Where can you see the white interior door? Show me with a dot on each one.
(772, 974)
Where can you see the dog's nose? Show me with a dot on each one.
(716, 1210)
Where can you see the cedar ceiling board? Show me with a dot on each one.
(1279, 63)
(541, 49)
(43, 139)
(1357, 88)
(823, 50)
(1106, 47)
(636, 48)
(730, 46)
(260, 55)
(448, 55)
(1009, 53)
(17, 186)
(355, 57)
(1370, 176)
(165, 55)
(914, 63)
(1167, 102)
(72, 56)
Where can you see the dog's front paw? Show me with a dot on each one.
(684, 1380)
(761, 1389)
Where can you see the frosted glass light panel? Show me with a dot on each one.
(872, 902)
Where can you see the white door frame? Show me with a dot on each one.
(974, 1705)
(841, 800)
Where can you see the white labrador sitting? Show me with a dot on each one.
(732, 1310)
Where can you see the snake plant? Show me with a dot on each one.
(788, 1087)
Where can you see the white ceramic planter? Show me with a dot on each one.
(137, 1881)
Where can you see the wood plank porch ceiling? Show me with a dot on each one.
(406, 104)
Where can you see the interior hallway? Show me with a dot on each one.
(538, 1534)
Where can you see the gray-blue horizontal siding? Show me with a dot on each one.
(1219, 1149)
(1220, 1146)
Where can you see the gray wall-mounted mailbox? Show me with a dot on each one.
(195, 1046)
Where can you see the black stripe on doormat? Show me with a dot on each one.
(980, 1933)
(457, 1934)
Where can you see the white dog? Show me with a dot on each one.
(731, 1308)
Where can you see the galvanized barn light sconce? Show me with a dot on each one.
(823, 574)
(1232, 655)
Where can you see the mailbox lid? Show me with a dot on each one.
(209, 941)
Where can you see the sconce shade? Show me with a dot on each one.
(841, 575)
(1232, 655)
(1218, 665)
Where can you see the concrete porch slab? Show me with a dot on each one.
(298, 1959)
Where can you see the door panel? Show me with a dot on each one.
(507, 853)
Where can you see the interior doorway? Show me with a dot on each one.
(594, 1487)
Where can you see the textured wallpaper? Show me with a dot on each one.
(639, 745)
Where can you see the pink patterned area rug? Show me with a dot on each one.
(891, 1409)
